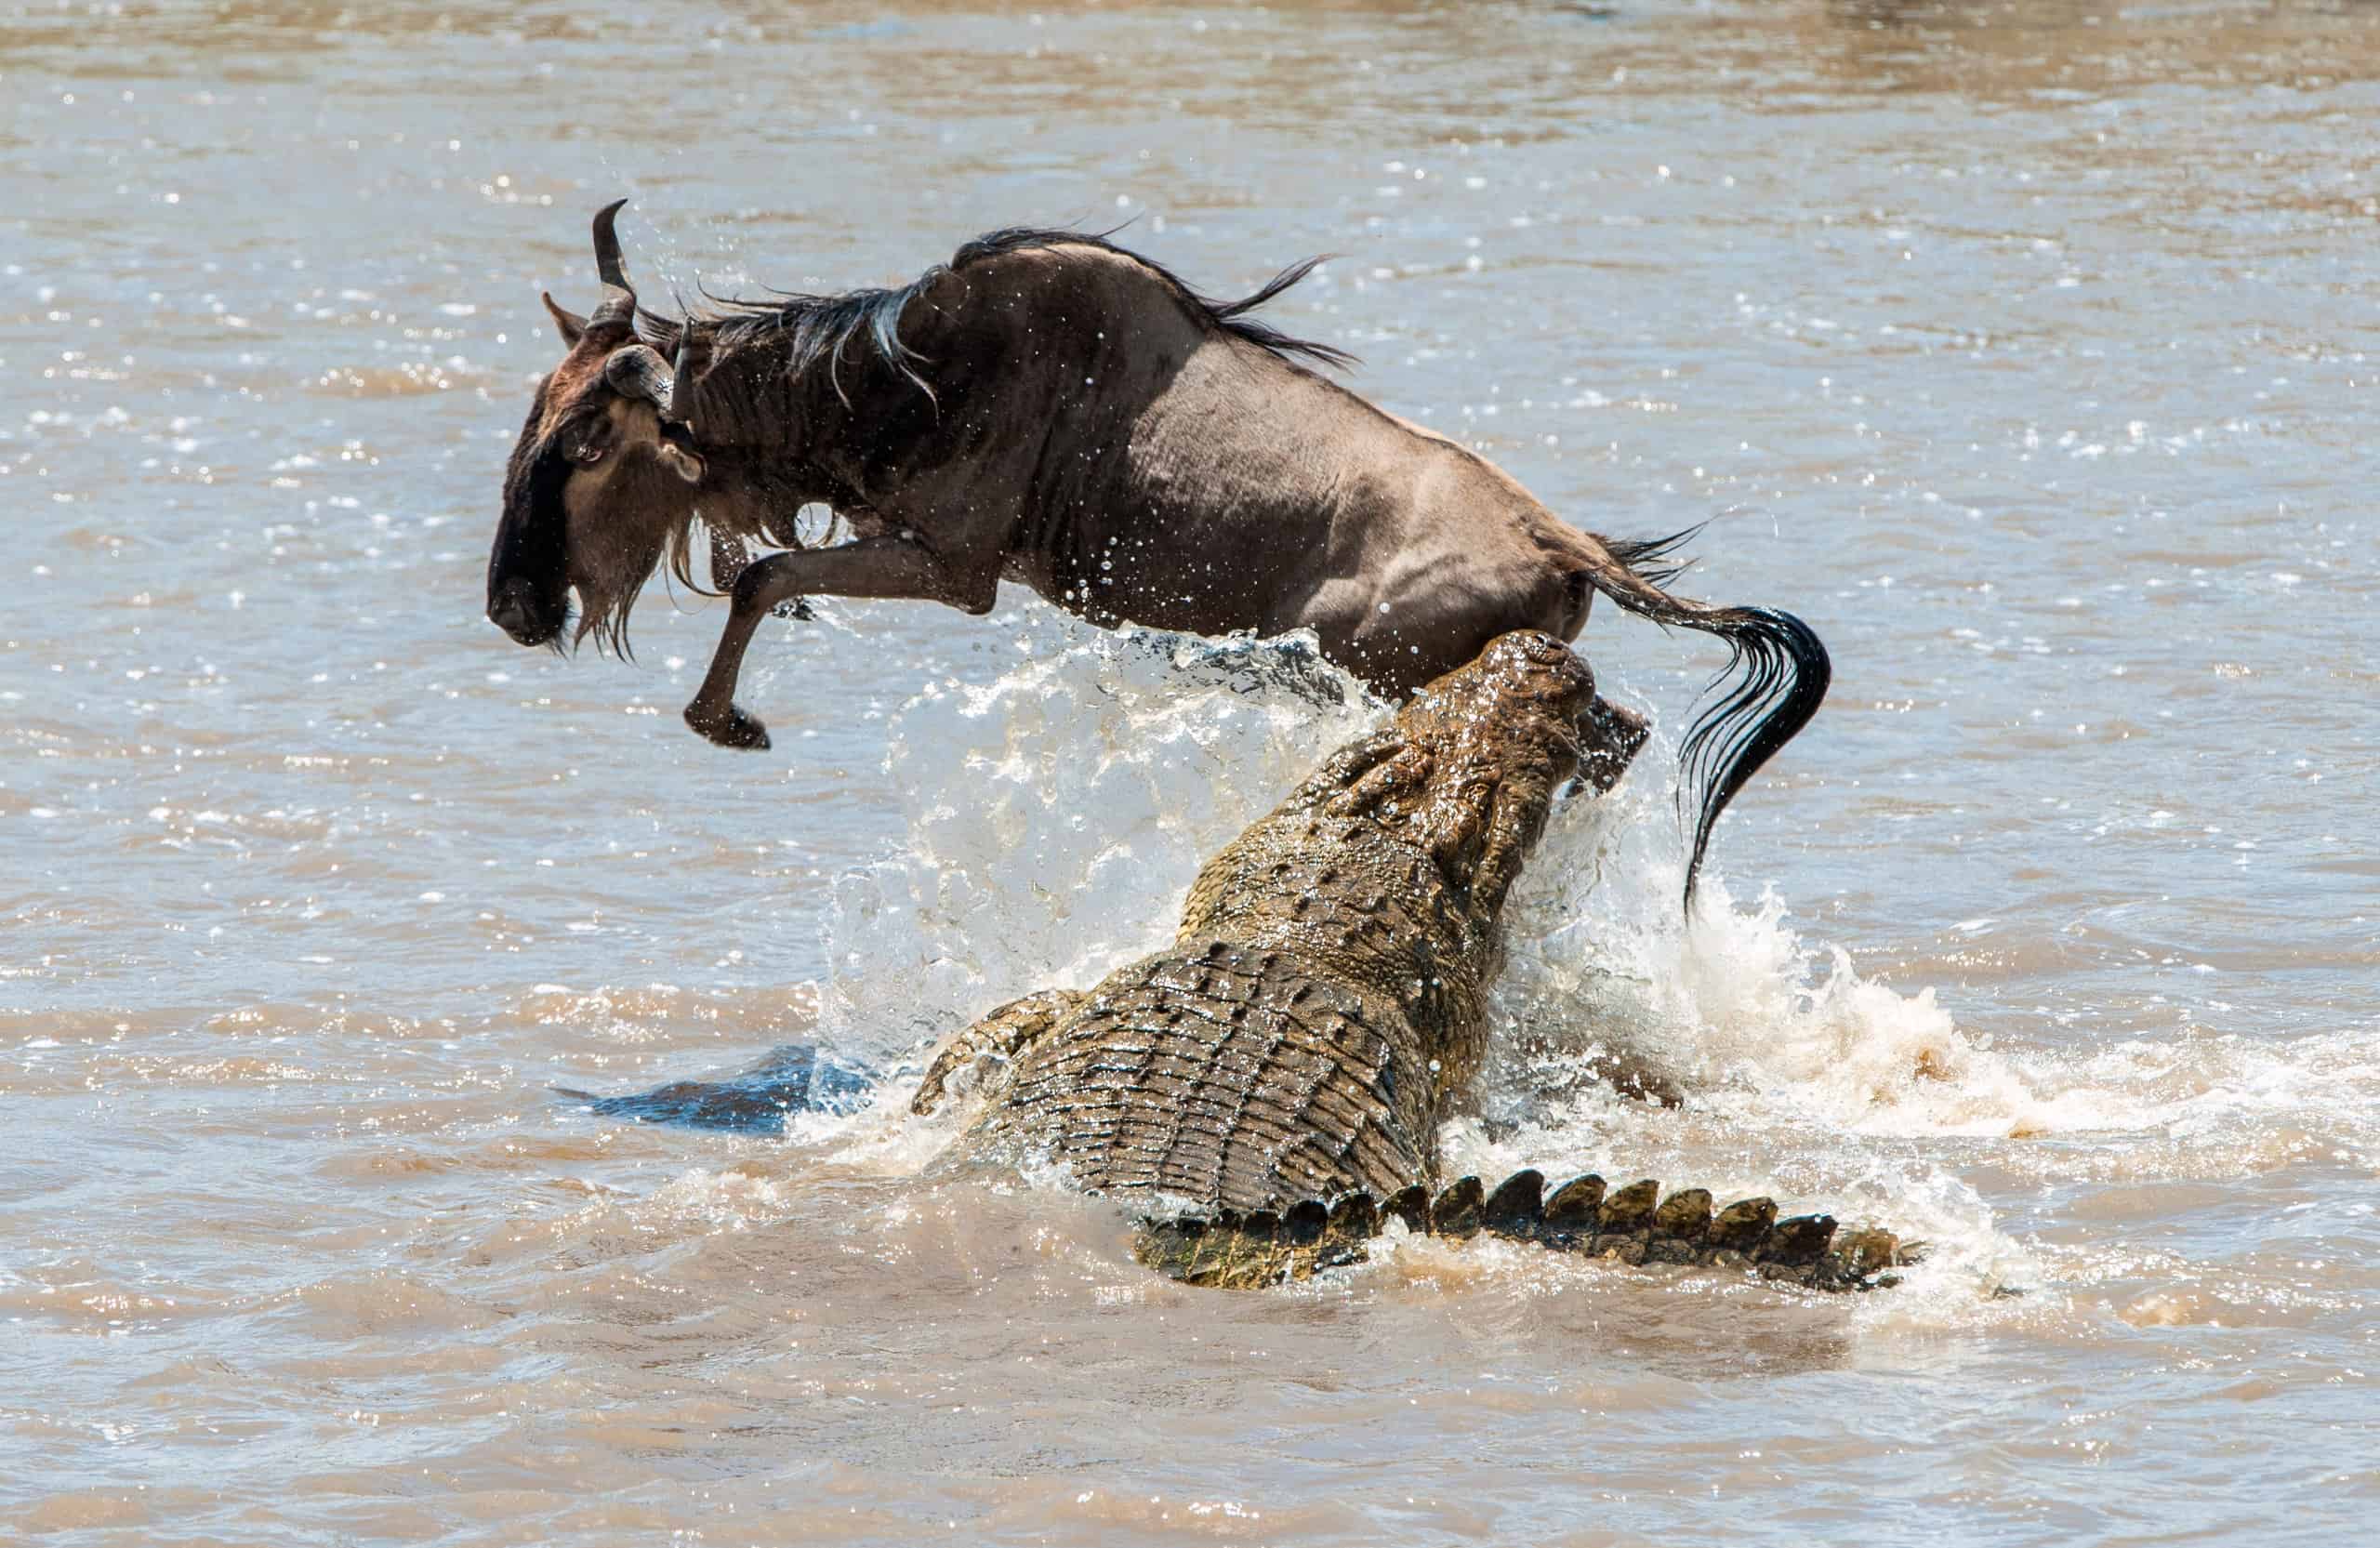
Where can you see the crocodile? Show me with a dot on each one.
(1266, 1093)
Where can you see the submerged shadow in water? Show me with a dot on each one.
(796, 1078)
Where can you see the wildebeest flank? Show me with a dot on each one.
(1052, 410)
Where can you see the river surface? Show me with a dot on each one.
(2026, 350)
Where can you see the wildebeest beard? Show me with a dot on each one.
(609, 577)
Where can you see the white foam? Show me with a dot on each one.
(1057, 816)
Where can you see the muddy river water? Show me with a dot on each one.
(2026, 350)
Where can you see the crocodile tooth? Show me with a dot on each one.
(1799, 1241)
(1355, 1218)
(1412, 1206)
(1304, 1222)
(1743, 1225)
(1631, 1209)
(1512, 1209)
(1572, 1208)
(1456, 1211)
(1684, 1215)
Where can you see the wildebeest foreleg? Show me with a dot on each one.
(871, 567)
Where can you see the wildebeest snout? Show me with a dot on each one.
(1610, 738)
(515, 610)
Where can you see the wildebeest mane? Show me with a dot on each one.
(814, 328)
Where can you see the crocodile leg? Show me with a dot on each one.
(1634, 1226)
(997, 1037)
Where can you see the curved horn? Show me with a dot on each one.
(638, 371)
(619, 296)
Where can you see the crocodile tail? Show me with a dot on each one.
(1634, 1224)
(1776, 677)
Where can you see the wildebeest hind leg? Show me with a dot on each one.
(871, 567)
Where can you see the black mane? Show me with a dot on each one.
(816, 328)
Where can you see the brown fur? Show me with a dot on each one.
(1052, 410)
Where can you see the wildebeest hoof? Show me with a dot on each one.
(734, 729)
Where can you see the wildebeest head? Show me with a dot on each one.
(601, 483)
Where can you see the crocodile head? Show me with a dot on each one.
(1474, 760)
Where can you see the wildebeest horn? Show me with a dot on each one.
(619, 296)
(682, 382)
(638, 371)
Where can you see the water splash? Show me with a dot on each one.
(1057, 815)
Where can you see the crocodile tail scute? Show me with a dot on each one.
(1635, 1224)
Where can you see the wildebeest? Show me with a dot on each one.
(1051, 409)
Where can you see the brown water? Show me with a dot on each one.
(2026, 350)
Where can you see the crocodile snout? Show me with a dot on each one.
(1609, 737)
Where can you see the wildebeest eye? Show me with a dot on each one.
(586, 453)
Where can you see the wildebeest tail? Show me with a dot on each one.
(1776, 677)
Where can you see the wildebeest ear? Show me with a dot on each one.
(569, 322)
